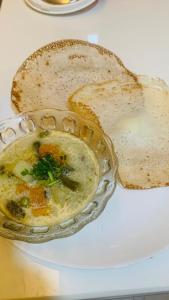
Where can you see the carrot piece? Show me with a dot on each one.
(37, 197)
(54, 150)
(22, 187)
(42, 211)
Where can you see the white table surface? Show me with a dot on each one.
(138, 32)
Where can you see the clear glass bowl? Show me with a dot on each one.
(54, 119)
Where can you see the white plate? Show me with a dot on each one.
(133, 226)
(54, 9)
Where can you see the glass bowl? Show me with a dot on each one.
(54, 119)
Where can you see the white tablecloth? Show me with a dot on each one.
(138, 32)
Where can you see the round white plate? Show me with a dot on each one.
(133, 226)
(54, 9)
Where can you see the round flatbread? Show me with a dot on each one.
(136, 117)
(52, 73)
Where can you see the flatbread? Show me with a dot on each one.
(53, 72)
(136, 117)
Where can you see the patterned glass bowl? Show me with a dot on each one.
(54, 119)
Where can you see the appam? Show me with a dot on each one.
(52, 73)
(136, 117)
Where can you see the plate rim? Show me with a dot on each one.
(46, 8)
(18, 245)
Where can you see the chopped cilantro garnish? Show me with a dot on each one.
(48, 171)
(47, 168)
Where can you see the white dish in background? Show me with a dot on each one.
(133, 226)
(60, 9)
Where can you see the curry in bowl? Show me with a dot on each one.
(57, 173)
(47, 177)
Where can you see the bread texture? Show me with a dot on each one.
(136, 118)
(50, 74)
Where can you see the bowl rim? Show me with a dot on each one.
(93, 124)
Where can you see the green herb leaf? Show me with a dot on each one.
(25, 172)
(44, 133)
(46, 168)
(49, 171)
